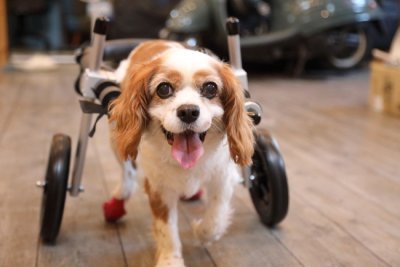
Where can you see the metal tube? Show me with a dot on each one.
(235, 56)
(96, 51)
(96, 57)
(98, 43)
(80, 153)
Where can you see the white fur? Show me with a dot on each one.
(215, 171)
(120, 72)
(128, 183)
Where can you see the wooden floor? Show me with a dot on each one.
(342, 162)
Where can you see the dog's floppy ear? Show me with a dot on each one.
(239, 126)
(129, 111)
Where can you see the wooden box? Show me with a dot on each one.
(3, 34)
(385, 88)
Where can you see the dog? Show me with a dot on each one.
(180, 120)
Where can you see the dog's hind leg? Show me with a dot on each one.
(114, 208)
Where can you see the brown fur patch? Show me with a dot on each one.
(239, 126)
(199, 77)
(158, 208)
(129, 110)
(174, 77)
(148, 50)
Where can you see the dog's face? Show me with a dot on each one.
(185, 102)
(186, 94)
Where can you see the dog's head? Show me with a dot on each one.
(188, 94)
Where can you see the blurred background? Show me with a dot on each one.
(65, 24)
(333, 30)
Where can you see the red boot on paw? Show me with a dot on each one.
(113, 209)
(195, 197)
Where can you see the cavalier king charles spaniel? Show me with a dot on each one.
(179, 125)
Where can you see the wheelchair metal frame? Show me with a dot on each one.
(94, 75)
(265, 177)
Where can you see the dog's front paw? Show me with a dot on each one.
(206, 233)
(170, 261)
(114, 209)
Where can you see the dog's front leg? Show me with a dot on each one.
(165, 214)
(127, 185)
(217, 215)
(114, 208)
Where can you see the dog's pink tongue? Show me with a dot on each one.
(187, 148)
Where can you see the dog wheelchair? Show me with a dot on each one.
(265, 178)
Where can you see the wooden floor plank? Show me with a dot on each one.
(247, 242)
(21, 163)
(314, 239)
(341, 163)
(366, 221)
(324, 152)
(326, 158)
(356, 157)
(352, 140)
(10, 87)
(361, 138)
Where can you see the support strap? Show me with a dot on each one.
(93, 108)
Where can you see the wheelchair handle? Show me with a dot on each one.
(235, 57)
(232, 26)
(98, 43)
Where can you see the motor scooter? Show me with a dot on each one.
(335, 30)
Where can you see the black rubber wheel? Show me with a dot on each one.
(350, 46)
(55, 188)
(268, 183)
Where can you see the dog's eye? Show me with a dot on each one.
(209, 90)
(164, 90)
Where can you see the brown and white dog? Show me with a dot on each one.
(181, 119)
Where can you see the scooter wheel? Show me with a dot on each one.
(350, 47)
(268, 183)
(55, 188)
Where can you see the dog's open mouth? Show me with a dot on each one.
(187, 147)
(187, 133)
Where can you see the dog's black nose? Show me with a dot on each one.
(188, 113)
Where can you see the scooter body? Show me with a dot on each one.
(293, 25)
